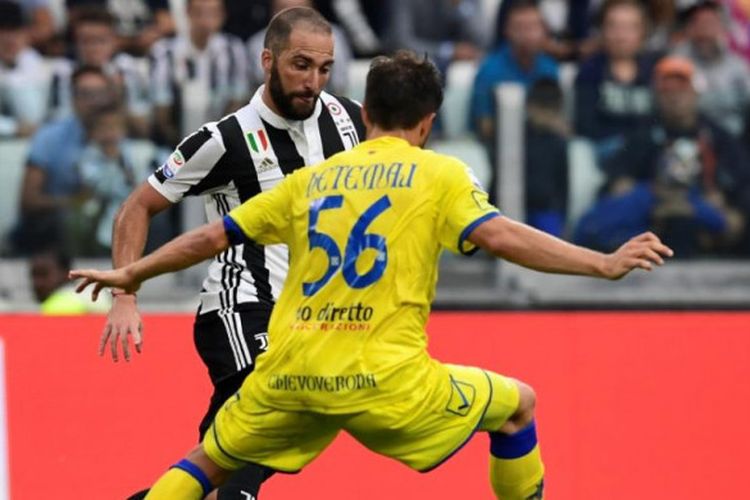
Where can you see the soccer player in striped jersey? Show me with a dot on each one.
(290, 122)
(348, 345)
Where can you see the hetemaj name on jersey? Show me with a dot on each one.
(337, 383)
(361, 177)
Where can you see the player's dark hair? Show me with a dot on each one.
(94, 14)
(87, 69)
(401, 90)
(11, 16)
(282, 24)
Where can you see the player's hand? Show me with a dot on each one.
(123, 320)
(642, 252)
(115, 278)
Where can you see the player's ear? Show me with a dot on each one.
(266, 60)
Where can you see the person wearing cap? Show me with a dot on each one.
(23, 78)
(725, 94)
(682, 175)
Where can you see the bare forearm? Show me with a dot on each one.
(182, 252)
(129, 233)
(529, 247)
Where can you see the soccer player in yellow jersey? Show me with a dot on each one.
(347, 338)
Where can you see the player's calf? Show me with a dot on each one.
(192, 478)
(516, 469)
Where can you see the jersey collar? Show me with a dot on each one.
(268, 115)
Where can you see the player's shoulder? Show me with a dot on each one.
(448, 167)
(337, 105)
(352, 107)
(441, 161)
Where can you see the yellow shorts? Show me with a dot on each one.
(421, 431)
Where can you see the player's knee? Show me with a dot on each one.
(524, 415)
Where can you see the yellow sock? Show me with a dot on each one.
(177, 484)
(516, 469)
(518, 478)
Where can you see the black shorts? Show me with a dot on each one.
(228, 344)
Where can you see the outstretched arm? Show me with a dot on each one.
(529, 247)
(182, 252)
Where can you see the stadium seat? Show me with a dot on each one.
(584, 178)
(12, 161)
(358, 69)
(455, 110)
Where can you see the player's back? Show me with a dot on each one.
(365, 229)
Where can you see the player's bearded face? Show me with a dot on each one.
(293, 105)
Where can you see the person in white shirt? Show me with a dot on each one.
(23, 76)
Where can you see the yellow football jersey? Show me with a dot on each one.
(365, 229)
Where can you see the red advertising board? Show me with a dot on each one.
(631, 406)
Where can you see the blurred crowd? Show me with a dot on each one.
(661, 91)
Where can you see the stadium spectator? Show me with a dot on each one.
(137, 23)
(519, 60)
(364, 21)
(725, 77)
(96, 45)
(567, 22)
(546, 150)
(199, 76)
(54, 292)
(38, 17)
(612, 88)
(110, 169)
(339, 80)
(683, 176)
(446, 30)
(23, 76)
(51, 189)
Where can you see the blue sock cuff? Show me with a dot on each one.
(195, 471)
(509, 446)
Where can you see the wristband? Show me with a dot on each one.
(117, 293)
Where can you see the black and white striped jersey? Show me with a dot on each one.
(198, 84)
(234, 159)
(126, 70)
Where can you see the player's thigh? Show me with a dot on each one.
(511, 401)
(426, 428)
(244, 430)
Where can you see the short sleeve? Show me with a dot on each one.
(464, 205)
(194, 168)
(265, 218)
